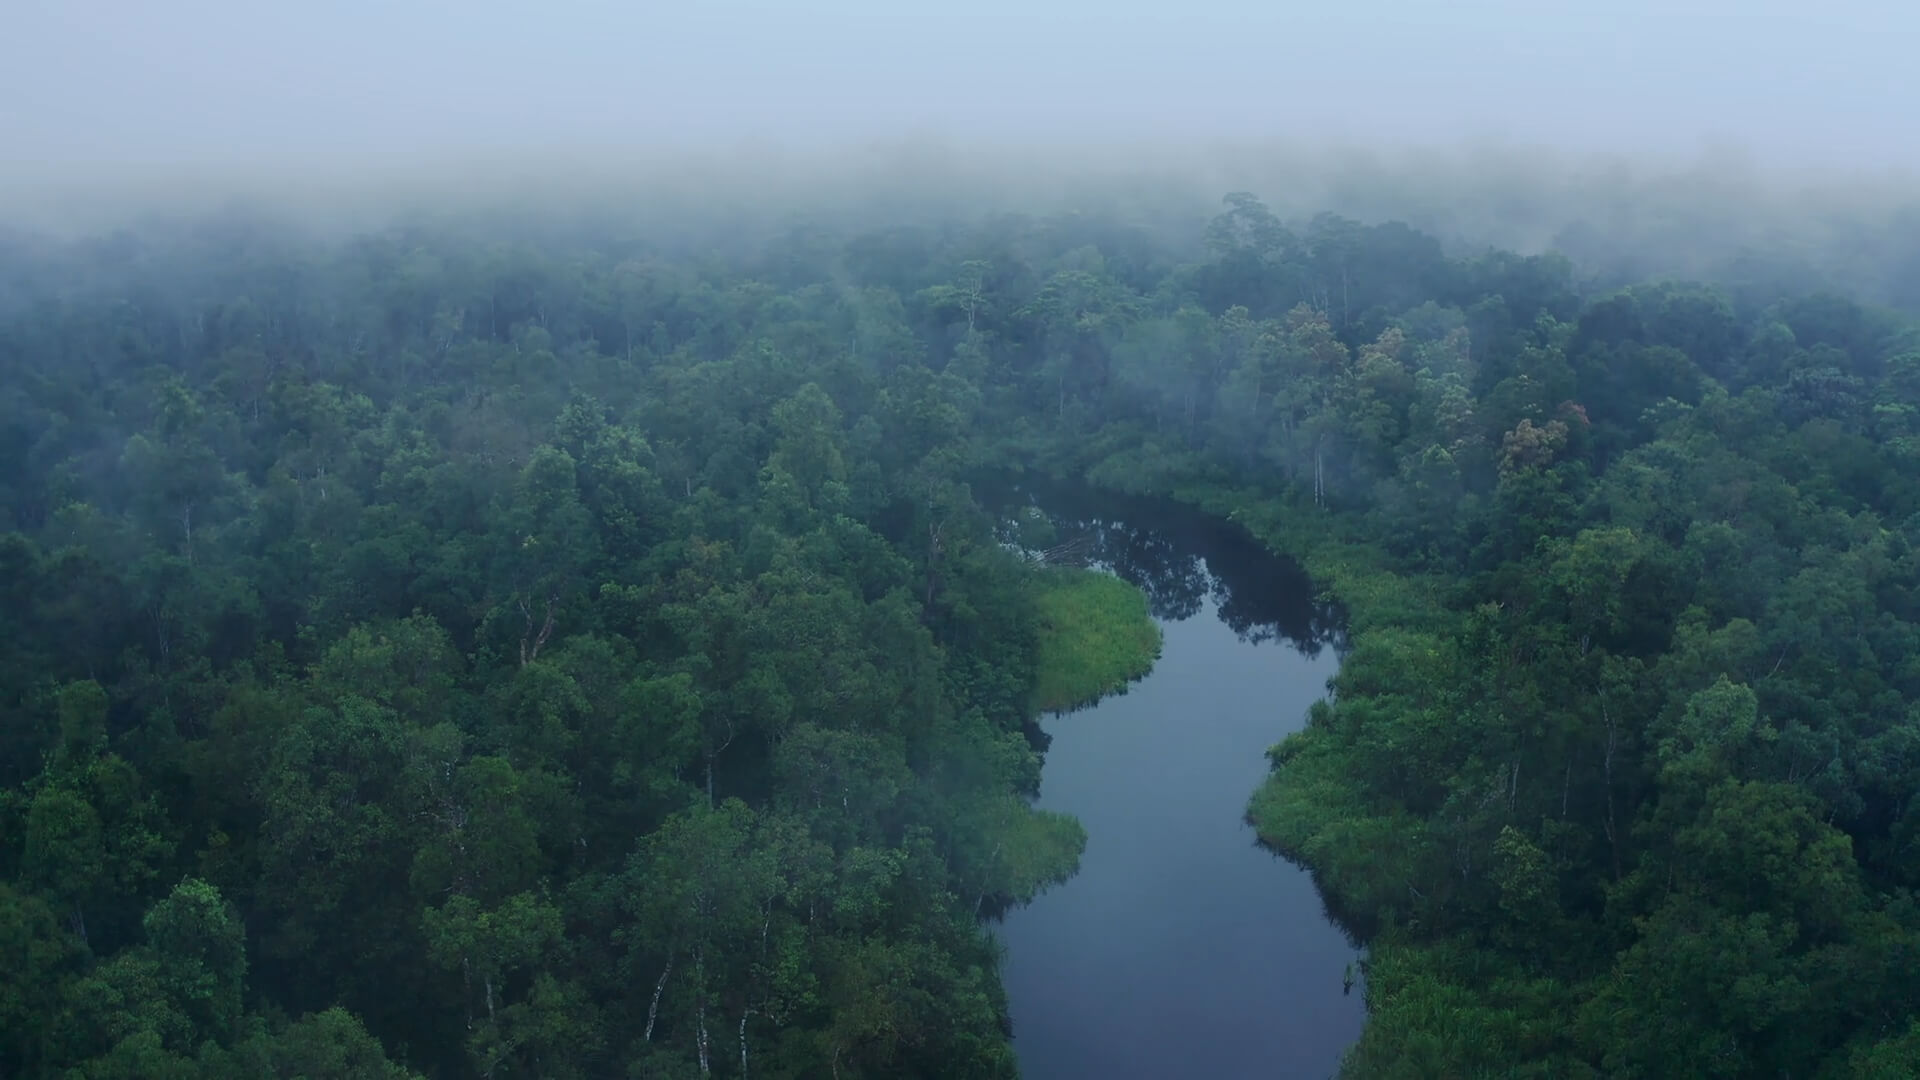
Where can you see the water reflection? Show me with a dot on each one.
(1178, 556)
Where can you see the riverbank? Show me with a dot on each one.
(1096, 636)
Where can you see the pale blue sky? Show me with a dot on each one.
(131, 86)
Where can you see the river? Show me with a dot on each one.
(1182, 947)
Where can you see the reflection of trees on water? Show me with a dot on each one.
(1358, 926)
(1180, 558)
(1174, 580)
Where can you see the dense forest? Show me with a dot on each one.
(548, 647)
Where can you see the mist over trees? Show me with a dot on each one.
(502, 573)
(565, 641)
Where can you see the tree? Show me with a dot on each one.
(487, 946)
(41, 956)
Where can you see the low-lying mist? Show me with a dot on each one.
(1638, 137)
(1619, 218)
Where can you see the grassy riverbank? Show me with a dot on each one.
(1095, 637)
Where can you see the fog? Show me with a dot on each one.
(1452, 111)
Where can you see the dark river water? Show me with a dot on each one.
(1182, 948)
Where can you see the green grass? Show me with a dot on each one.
(1095, 637)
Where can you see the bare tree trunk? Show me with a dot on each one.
(529, 654)
(743, 1043)
(1781, 660)
(653, 1010)
(701, 1042)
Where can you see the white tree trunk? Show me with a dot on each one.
(653, 1010)
(743, 1043)
(705, 1068)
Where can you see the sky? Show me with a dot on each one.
(120, 91)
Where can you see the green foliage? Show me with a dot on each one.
(197, 937)
(567, 656)
(1095, 638)
(1621, 757)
